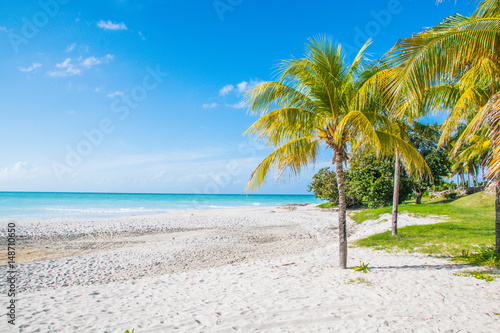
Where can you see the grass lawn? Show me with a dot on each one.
(470, 225)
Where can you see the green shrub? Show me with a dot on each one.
(324, 187)
(372, 181)
(486, 256)
(361, 268)
(450, 196)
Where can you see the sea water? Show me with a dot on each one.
(45, 205)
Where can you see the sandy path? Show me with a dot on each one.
(245, 270)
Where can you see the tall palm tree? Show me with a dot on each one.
(313, 102)
(375, 94)
(460, 49)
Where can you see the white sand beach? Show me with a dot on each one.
(236, 270)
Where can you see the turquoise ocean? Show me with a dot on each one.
(45, 205)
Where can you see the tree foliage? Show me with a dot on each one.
(369, 180)
(372, 181)
(425, 138)
(324, 187)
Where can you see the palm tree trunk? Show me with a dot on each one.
(497, 216)
(395, 199)
(418, 197)
(342, 210)
(482, 176)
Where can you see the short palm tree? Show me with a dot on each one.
(463, 50)
(313, 102)
(474, 156)
(375, 89)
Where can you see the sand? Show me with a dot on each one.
(235, 270)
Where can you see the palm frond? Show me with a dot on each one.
(293, 155)
(284, 124)
(414, 163)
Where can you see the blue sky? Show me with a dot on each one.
(145, 96)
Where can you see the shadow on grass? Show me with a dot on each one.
(425, 267)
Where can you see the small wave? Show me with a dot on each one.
(219, 206)
(109, 211)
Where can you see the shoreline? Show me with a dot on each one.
(262, 268)
(34, 206)
(149, 213)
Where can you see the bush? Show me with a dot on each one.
(324, 187)
(372, 181)
(450, 196)
(368, 180)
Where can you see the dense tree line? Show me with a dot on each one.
(370, 180)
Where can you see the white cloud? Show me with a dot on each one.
(66, 68)
(210, 105)
(4, 29)
(142, 36)
(93, 61)
(242, 86)
(111, 25)
(236, 91)
(70, 47)
(21, 170)
(114, 94)
(65, 63)
(239, 105)
(90, 61)
(248, 86)
(30, 68)
(226, 90)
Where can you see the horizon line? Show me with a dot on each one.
(171, 193)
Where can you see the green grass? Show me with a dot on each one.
(370, 214)
(327, 205)
(428, 207)
(470, 226)
(361, 268)
(487, 276)
(358, 280)
(484, 257)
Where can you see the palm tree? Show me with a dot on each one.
(375, 90)
(472, 157)
(464, 50)
(313, 102)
